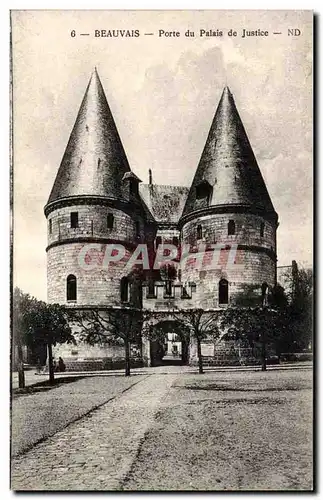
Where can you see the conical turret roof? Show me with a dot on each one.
(228, 167)
(94, 161)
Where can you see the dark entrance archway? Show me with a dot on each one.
(169, 344)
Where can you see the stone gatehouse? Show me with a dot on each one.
(98, 201)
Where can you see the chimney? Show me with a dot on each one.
(150, 177)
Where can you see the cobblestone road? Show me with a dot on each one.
(96, 452)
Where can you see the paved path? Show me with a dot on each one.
(38, 416)
(170, 430)
(96, 452)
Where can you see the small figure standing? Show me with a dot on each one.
(61, 365)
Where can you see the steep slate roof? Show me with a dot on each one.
(228, 164)
(94, 161)
(164, 202)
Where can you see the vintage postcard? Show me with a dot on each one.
(162, 277)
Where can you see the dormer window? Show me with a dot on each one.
(74, 220)
(133, 180)
(133, 186)
(203, 191)
(231, 227)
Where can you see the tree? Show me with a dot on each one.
(34, 323)
(298, 283)
(252, 325)
(111, 326)
(48, 324)
(201, 324)
(20, 304)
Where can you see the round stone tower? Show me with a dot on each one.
(94, 203)
(229, 214)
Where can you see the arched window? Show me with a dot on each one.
(262, 229)
(71, 287)
(124, 289)
(199, 232)
(231, 227)
(110, 221)
(223, 291)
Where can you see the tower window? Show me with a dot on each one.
(124, 289)
(231, 227)
(262, 229)
(203, 191)
(199, 232)
(223, 291)
(110, 221)
(50, 226)
(175, 241)
(74, 219)
(133, 187)
(71, 287)
(151, 288)
(168, 288)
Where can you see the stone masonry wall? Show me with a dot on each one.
(93, 223)
(251, 266)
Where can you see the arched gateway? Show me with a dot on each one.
(166, 341)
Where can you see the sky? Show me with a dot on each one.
(163, 93)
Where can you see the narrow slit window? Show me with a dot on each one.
(110, 221)
(223, 291)
(151, 288)
(168, 288)
(124, 289)
(71, 291)
(50, 226)
(199, 232)
(262, 229)
(231, 227)
(74, 219)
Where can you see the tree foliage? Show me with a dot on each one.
(37, 323)
(298, 283)
(110, 327)
(202, 325)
